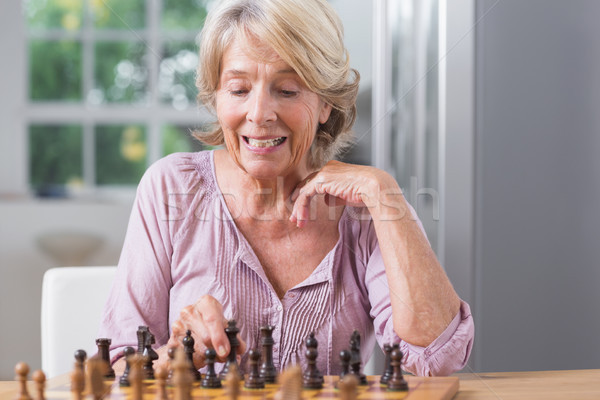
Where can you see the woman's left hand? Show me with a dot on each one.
(344, 184)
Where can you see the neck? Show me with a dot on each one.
(264, 199)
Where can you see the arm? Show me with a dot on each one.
(141, 292)
(424, 306)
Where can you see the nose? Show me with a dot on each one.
(261, 108)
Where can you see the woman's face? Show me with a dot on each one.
(269, 117)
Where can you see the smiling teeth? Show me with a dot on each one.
(265, 143)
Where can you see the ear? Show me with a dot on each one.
(324, 113)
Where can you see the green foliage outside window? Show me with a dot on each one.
(55, 70)
(55, 155)
(178, 139)
(54, 14)
(184, 14)
(121, 154)
(118, 14)
(177, 74)
(120, 74)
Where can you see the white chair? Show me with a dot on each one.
(72, 303)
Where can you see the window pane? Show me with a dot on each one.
(55, 158)
(119, 14)
(120, 72)
(54, 70)
(178, 139)
(176, 77)
(121, 154)
(184, 14)
(53, 14)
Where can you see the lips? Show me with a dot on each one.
(264, 143)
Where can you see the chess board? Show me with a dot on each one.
(431, 388)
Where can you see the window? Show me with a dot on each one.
(111, 89)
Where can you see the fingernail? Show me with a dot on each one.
(222, 351)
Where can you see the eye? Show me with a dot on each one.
(238, 92)
(288, 93)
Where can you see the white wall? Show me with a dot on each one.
(23, 264)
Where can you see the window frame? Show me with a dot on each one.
(153, 113)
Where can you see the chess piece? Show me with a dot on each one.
(188, 346)
(290, 384)
(171, 355)
(231, 331)
(254, 381)
(161, 383)
(355, 361)
(232, 382)
(182, 376)
(312, 378)
(387, 373)
(96, 371)
(136, 376)
(80, 357)
(267, 370)
(142, 334)
(396, 381)
(77, 382)
(149, 357)
(344, 363)
(103, 346)
(128, 352)
(39, 378)
(348, 385)
(21, 372)
(211, 379)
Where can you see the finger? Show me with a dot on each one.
(214, 325)
(301, 209)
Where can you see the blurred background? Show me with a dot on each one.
(483, 110)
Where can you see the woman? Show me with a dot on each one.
(270, 230)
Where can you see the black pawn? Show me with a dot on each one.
(254, 380)
(344, 363)
(355, 360)
(211, 379)
(312, 343)
(80, 357)
(312, 378)
(231, 331)
(103, 346)
(396, 381)
(267, 370)
(124, 379)
(188, 347)
(149, 356)
(387, 373)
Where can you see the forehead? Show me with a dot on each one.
(243, 51)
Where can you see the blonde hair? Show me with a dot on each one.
(307, 35)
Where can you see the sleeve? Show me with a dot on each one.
(140, 291)
(448, 353)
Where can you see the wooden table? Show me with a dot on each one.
(547, 385)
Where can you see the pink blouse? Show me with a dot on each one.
(182, 243)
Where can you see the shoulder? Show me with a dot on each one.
(180, 172)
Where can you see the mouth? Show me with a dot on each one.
(264, 143)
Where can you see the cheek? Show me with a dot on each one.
(305, 134)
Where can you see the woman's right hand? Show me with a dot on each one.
(207, 324)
